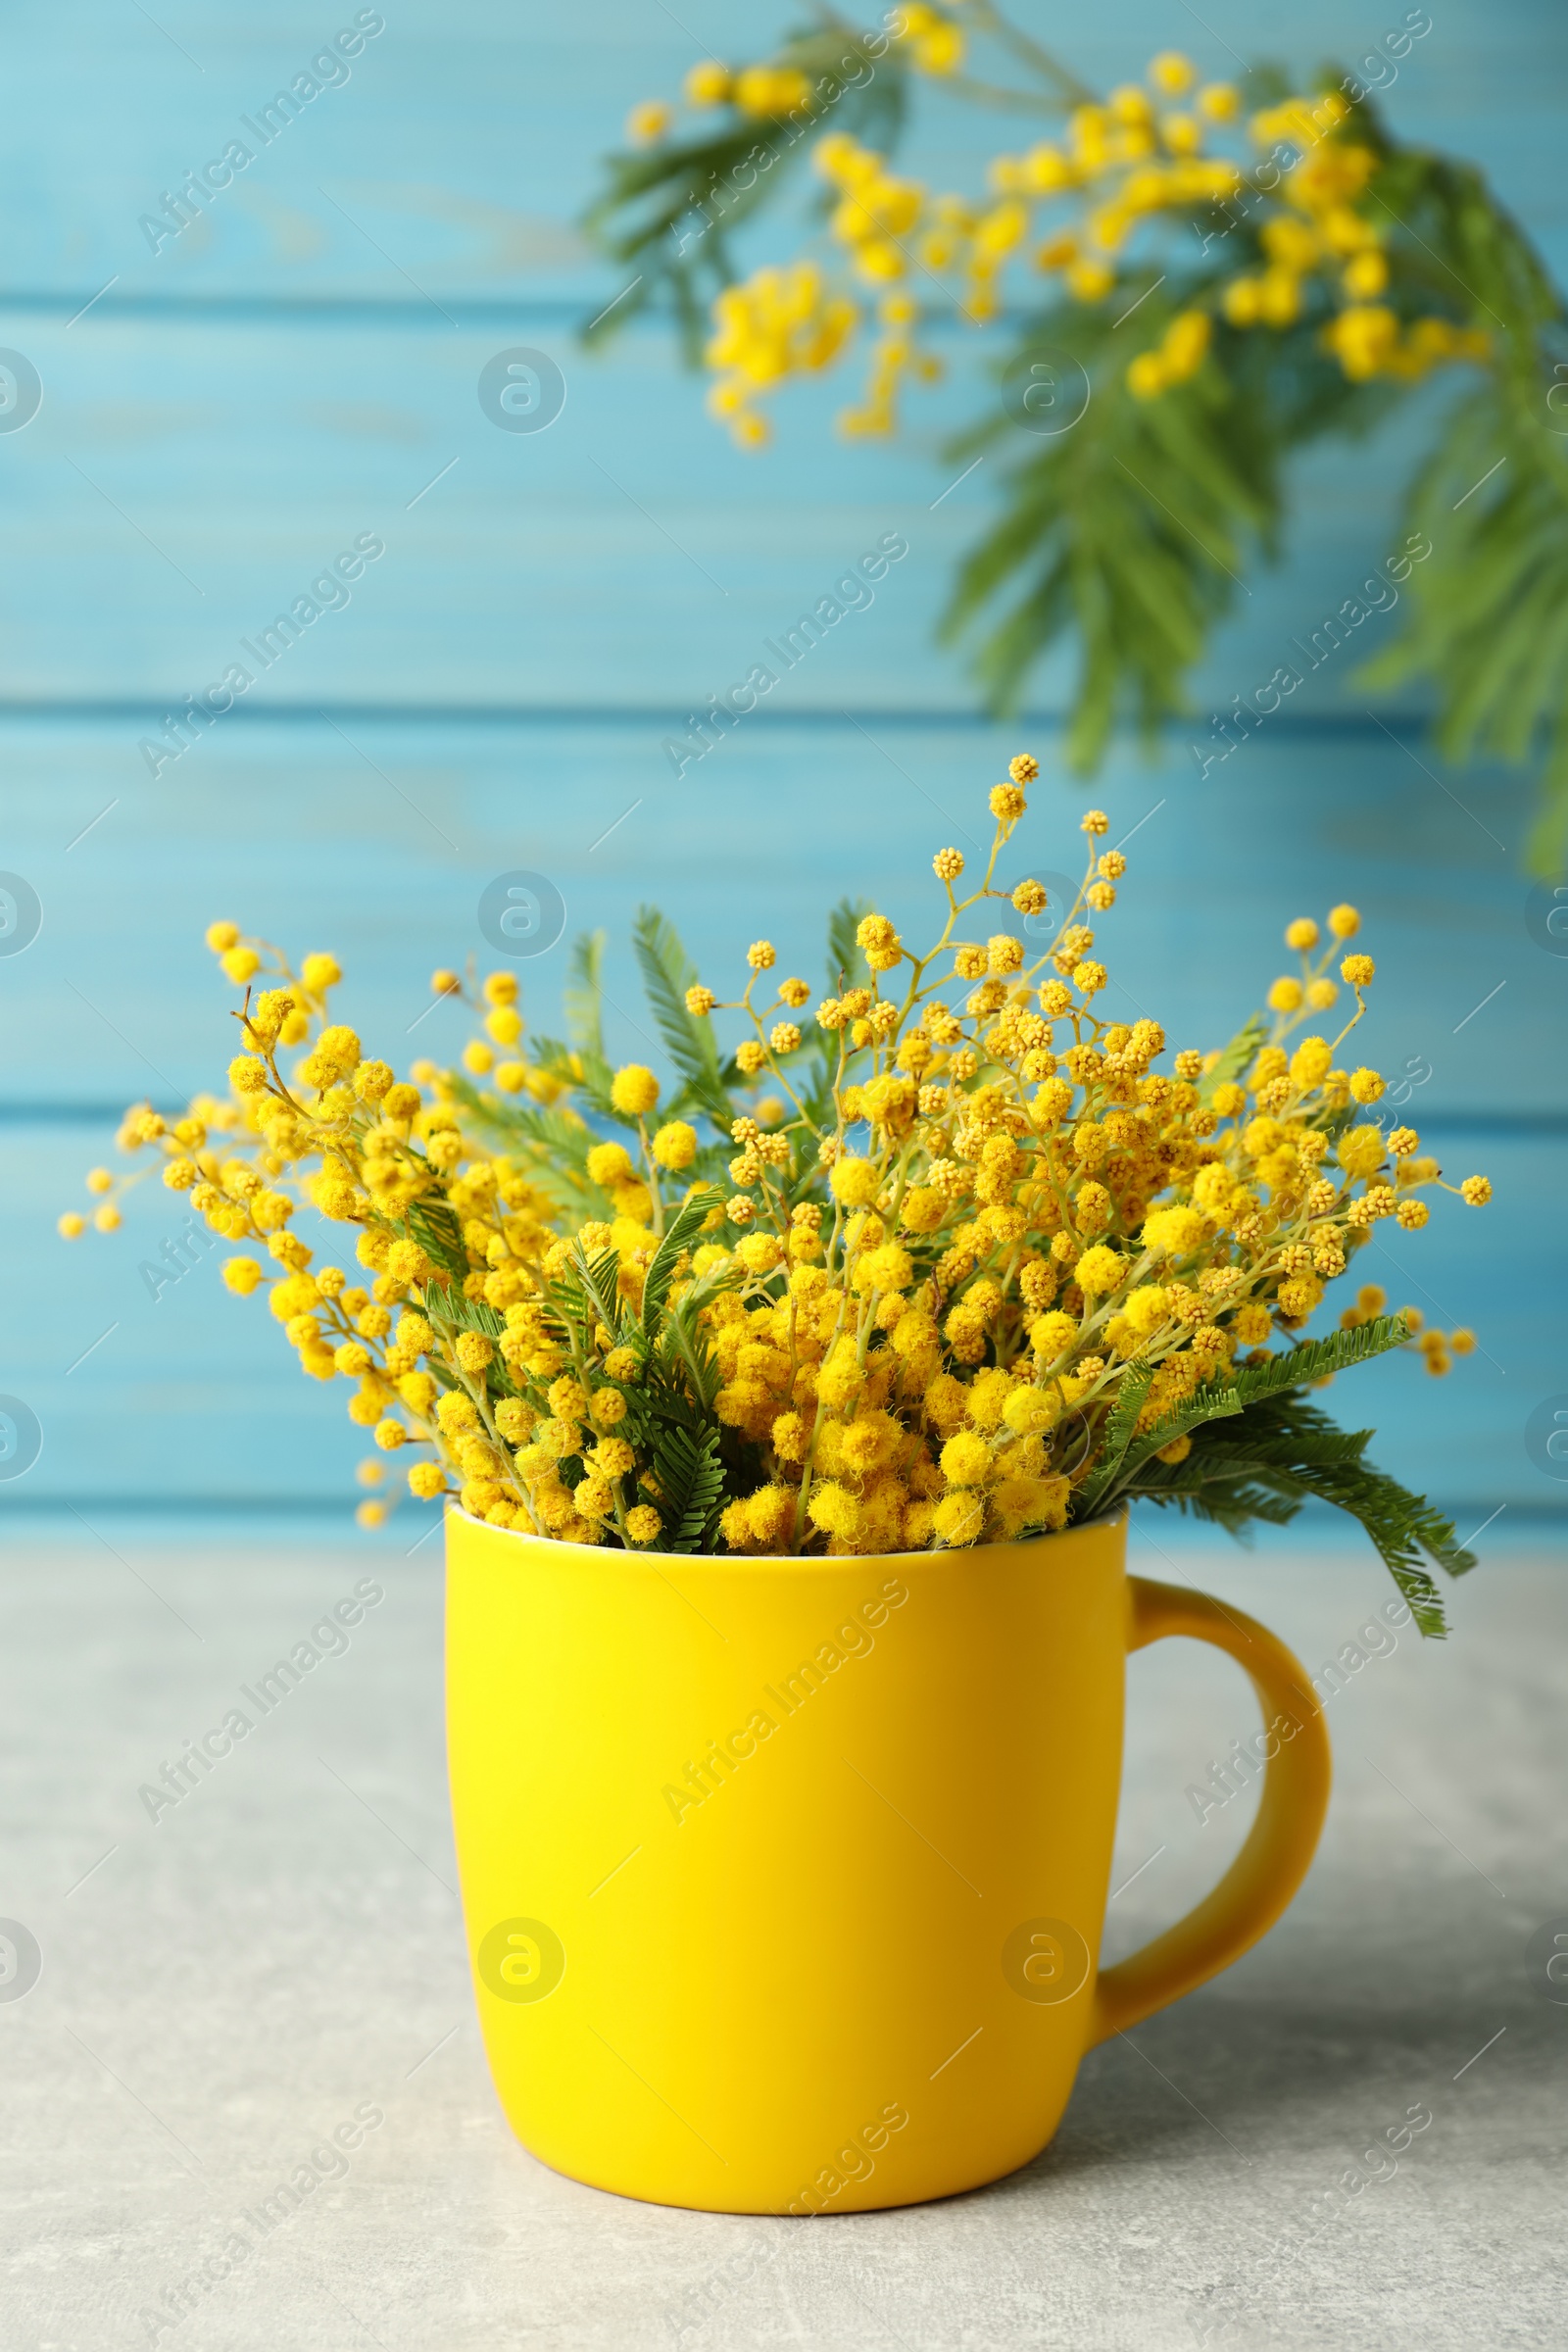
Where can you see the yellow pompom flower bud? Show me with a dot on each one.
(340, 1046)
(643, 1523)
(854, 1182)
(426, 1480)
(707, 85)
(72, 1225)
(240, 964)
(1367, 1086)
(1476, 1190)
(634, 1089)
(1172, 1231)
(648, 122)
(674, 1145)
(1357, 971)
(1028, 1412)
(1172, 73)
(242, 1274)
(1311, 1062)
(967, 1459)
(247, 1075)
(834, 1509)
(221, 936)
(1147, 1307)
(319, 972)
(1099, 1270)
(406, 1262)
(610, 1164)
(390, 1435)
(885, 1269)
(959, 1518)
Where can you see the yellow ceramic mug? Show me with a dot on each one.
(784, 1879)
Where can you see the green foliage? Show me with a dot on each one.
(847, 966)
(681, 1232)
(1131, 531)
(691, 1487)
(1120, 1424)
(1236, 1057)
(584, 997)
(1488, 618)
(1320, 1359)
(436, 1230)
(667, 973)
(1131, 535)
(1260, 1450)
(1298, 1367)
(1279, 1451)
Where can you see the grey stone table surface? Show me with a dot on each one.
(280, 1952)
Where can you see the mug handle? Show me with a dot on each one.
(1282, 1840)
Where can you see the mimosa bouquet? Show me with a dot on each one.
(947, 1260)
(1187, 282)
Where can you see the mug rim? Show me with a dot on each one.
(799, 1561)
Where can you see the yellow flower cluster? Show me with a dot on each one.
(932, 38)
(968, 1245)
(1138, 157)
(1322, 233)
(929, 39)
(781, 322)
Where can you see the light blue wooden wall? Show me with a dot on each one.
(299, 365)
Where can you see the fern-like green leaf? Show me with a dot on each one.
(584, 997)
(1316, 1359)
(847, 966)
(1235, 1058)
(1120, 1426)
(1281, 1449)
(437, 1231)
(667, 973)
(1209, 1404)
(601, 1299)
(682, 1230)
(691, 1487)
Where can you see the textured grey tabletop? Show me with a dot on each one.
(280, 1952)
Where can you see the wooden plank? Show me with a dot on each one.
(459, 146)
(204, 474)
